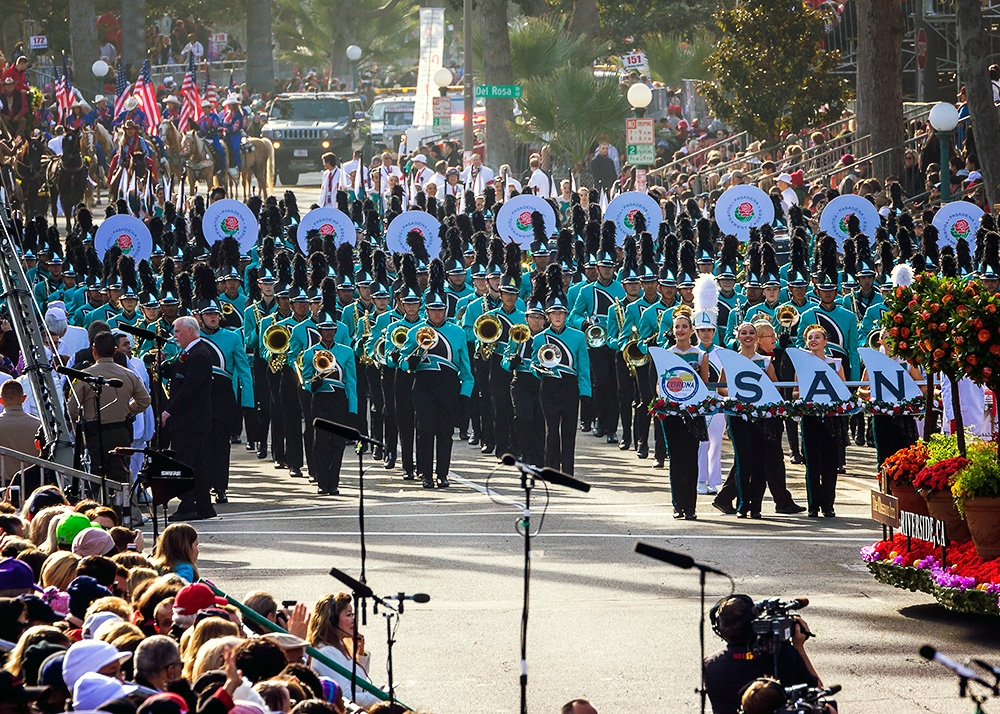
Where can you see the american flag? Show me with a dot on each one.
(210, 92)
(121, 90)
(233, 89)
(64, 91)
(191, 104)
(146, 93)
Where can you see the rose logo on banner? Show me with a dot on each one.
(679, 384)
(838, 212)
(229, 218)
(513, 220)
(328, 229)
(958, 220)
(128, 233)
(230, 225)
(744, 212)
(523, 221)
(843, 222)
(418, 221)
(960, 229)
(329, 222)
(624, 210)
(629, 219)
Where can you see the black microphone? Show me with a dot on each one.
(546, 474)
(126, 451)
(359, 588)
(347, 432)
(91, 378)
(672, 557)
(932, 655)
(416, 597)
(139, 332)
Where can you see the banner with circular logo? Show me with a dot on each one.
(741, 208)
(835, 215)
(128, 233)
(428, 225)
(513, 221)
(958, 219)
(623, 208)
(229, 217)
(328, 221)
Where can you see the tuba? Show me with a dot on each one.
(520, 333)
(276, 339)
(487, 329)
(324, 363)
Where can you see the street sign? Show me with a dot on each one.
(885, 509)
(442, 114)
(921, 48)
(640, 154)
(638, 131)
(39, 42)
(640, 179)
(498, 91)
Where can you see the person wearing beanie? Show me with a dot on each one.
(435, 354)
(559, 356)
(328, 371)
(409, 296)
(591, 309)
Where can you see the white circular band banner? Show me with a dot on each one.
(741, 208)
(428, 225)
(229, 217)
(958, 219)
(623, 209)
(128, 233)
(329, 221)
(513, 221)
(835, 215)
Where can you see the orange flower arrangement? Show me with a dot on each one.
(905, 464)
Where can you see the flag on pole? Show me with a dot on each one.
(210, 92)
(64, 92)
(191, 102)
(233, 89)
(145, 91)
(121, 90)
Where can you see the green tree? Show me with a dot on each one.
(674, 57)
(625, 19)
(570, 110)
(541, 45)
(771, 72)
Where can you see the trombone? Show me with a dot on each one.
(549, 356)
(276, 339)
(398, 337)
(427, 338)
(325, 364)
(487, 329)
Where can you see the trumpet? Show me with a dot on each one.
(227, 308)
(324, 363)
(427, 338)
(276, 339)
(786, 315)
(596, 336)
(549, 355)
(398, 337)
(487, 329)
(520, 333)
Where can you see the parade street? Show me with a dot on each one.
(605, 622)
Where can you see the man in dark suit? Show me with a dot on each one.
(188, 416)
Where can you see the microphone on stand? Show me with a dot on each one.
(144, 334)
(680, 560)
(90, 378)
(359, 588)
(400, 597)
(347, 432)
(546, 474)
(932, 655)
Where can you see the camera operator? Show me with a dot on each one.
(728, 672)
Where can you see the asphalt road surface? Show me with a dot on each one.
(605, 623)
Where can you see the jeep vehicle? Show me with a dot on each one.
(390, 118)
(302, 126)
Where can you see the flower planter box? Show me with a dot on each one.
(983, 518)
(909, 499)
(940, 505)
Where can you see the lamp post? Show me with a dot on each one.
(944, 119)
(353, 55)
(443, 79)
(639, 96)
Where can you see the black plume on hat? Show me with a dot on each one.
(886, 258)
(300, 272)
(594, 212)
(962, 255)
(464, 224)
(905, 245)
(479, 243)
(630, 256)
(496, 251)
(408, 271)
(415, 241)
(949, 266)
(687, 260)
(579, 220)
(565, 245)
(185, 290)
(539, 291)
(896, 194)
(345, 261)
(284, 265)
(918, 263)
(647, 256)
(850, 257)
(930, 244)
(538, 227)
(328, 294)
(828, 258)
(670, 214)
(317, 269)
(126, 271)
(380, 267)
(640, 222)
(554, 281)
(592, 241)
(204, 283)
(608, 231)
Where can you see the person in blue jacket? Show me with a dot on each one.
(435, 354)
(334, 396)
(559, 357)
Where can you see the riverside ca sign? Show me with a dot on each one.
(885, 510)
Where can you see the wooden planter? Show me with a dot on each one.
(940, 505)
(909, 499)
(983, 518)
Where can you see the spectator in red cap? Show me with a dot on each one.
(191, 600)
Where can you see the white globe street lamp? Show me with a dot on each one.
(944, 118)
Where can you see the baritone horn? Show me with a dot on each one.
(324, 363)
(633, 356)
(276, 339)
(487, 329)
(786, 316)
(520, 333)
(427, 338)
(549, 355)
(596, 336)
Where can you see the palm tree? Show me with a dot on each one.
(133, 42)
(260, 56)
(570, 109)
(673, 58)
(541, 45)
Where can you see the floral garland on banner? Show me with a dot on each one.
(753, 412)
(969, 584)
(662, 408)
(852, 405)
(910, 407)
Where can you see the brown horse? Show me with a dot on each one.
(89, 140)
(201, 165)
(258, 163)
(29, 176)
(173, 164)
(68, 178)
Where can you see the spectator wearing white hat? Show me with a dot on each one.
(72, 339)
(419, 174)
(92, 656)
(788, 195)
(92, 690)
(92, 623)
(93, 541)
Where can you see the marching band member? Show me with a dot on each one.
(706, 295)
(365, 340)
(620, 332)
(409, 297)
(262, 302)
(821, 436)
(483, 401)
(560, 359)
(436, 355)
(529, 426)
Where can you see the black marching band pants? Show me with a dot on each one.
(529, 426)
(646, 379)
(328, 455)
(821, 446)
(291, 417)
(277, 415)
(403, 393)
(483, 402)
(560, 400)
(503, 409)
(683, 448)
(604, 387)
(374, 381)
(627, 395)
(262, 402)
(437, 393)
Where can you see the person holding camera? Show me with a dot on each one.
(727, 673)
